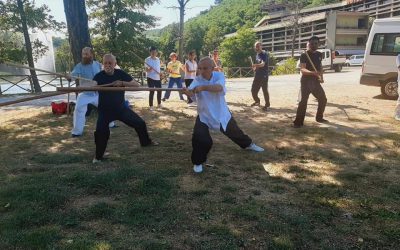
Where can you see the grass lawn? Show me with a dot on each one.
(312, 188)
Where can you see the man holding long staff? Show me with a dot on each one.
(213, 113)
(311, 79)
(112, 107)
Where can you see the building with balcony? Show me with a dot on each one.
(341, 26)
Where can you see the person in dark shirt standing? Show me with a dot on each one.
(311, 83)
(261, 76)
(112, 107)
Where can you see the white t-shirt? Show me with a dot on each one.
(211, 106)
(192, 66)
(156, 65)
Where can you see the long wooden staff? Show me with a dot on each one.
(313, 66)
(45, 71)
(112, 89)
(2, 104)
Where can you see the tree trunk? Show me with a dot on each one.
(78, 29)
(28, 45)
(181, 27)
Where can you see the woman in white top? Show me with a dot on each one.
(190, 71)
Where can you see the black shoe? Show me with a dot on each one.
(163, 99)
(74, 136)
(255, 104)
(265, 108)
(322, 120)
(297, 125)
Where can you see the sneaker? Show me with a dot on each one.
(74, 135)
(151, 108)
(163, 99)
(95, 161)
(322, 120)
(160, 106)
(112, 125)
(255, 104)
(265, 108)
(192, 104)
(255, 148)
(154, 143)
(198, 168)
(397, 117)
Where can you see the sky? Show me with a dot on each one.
(166, 15)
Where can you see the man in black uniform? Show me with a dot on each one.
(261, 76)
(112, 107)
(311, 83)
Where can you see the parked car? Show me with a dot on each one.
(330, 60)
(383, 45)
(355, 60)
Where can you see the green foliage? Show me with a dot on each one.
(63, 56)
(11, 45)
(288, 67)
(119, 29)
(205, 32)
(236, 49)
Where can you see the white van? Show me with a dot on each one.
(383, 46)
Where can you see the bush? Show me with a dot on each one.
(288, 67)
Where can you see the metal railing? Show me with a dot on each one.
(241, 72)
(23, 84)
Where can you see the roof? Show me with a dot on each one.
(306, 19)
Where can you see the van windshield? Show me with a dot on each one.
(386, 44)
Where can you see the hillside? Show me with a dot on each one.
(206, 31)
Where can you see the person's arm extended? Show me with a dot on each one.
(120, 83)
(307, 72)
(215, 88)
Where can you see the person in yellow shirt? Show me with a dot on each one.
(174, 67)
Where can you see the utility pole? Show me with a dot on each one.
(181, 7)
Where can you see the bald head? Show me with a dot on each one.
(109, 62)
(206, 66)
(258, 46)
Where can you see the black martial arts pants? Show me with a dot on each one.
(255, 88)
(187, 83)
(151, 83)
(125, 115)
(202, 141)
(310, 86)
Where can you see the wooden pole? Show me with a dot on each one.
(2, 104)
(113, 89)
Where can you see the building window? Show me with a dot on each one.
(362, 23)
(386, 44)
(360, 41)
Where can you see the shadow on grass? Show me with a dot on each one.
(312, 188)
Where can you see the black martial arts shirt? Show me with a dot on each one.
(316, 58)
(111, 101)
(262, 73)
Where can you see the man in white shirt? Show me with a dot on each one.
(209, 91)
(397, 115)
